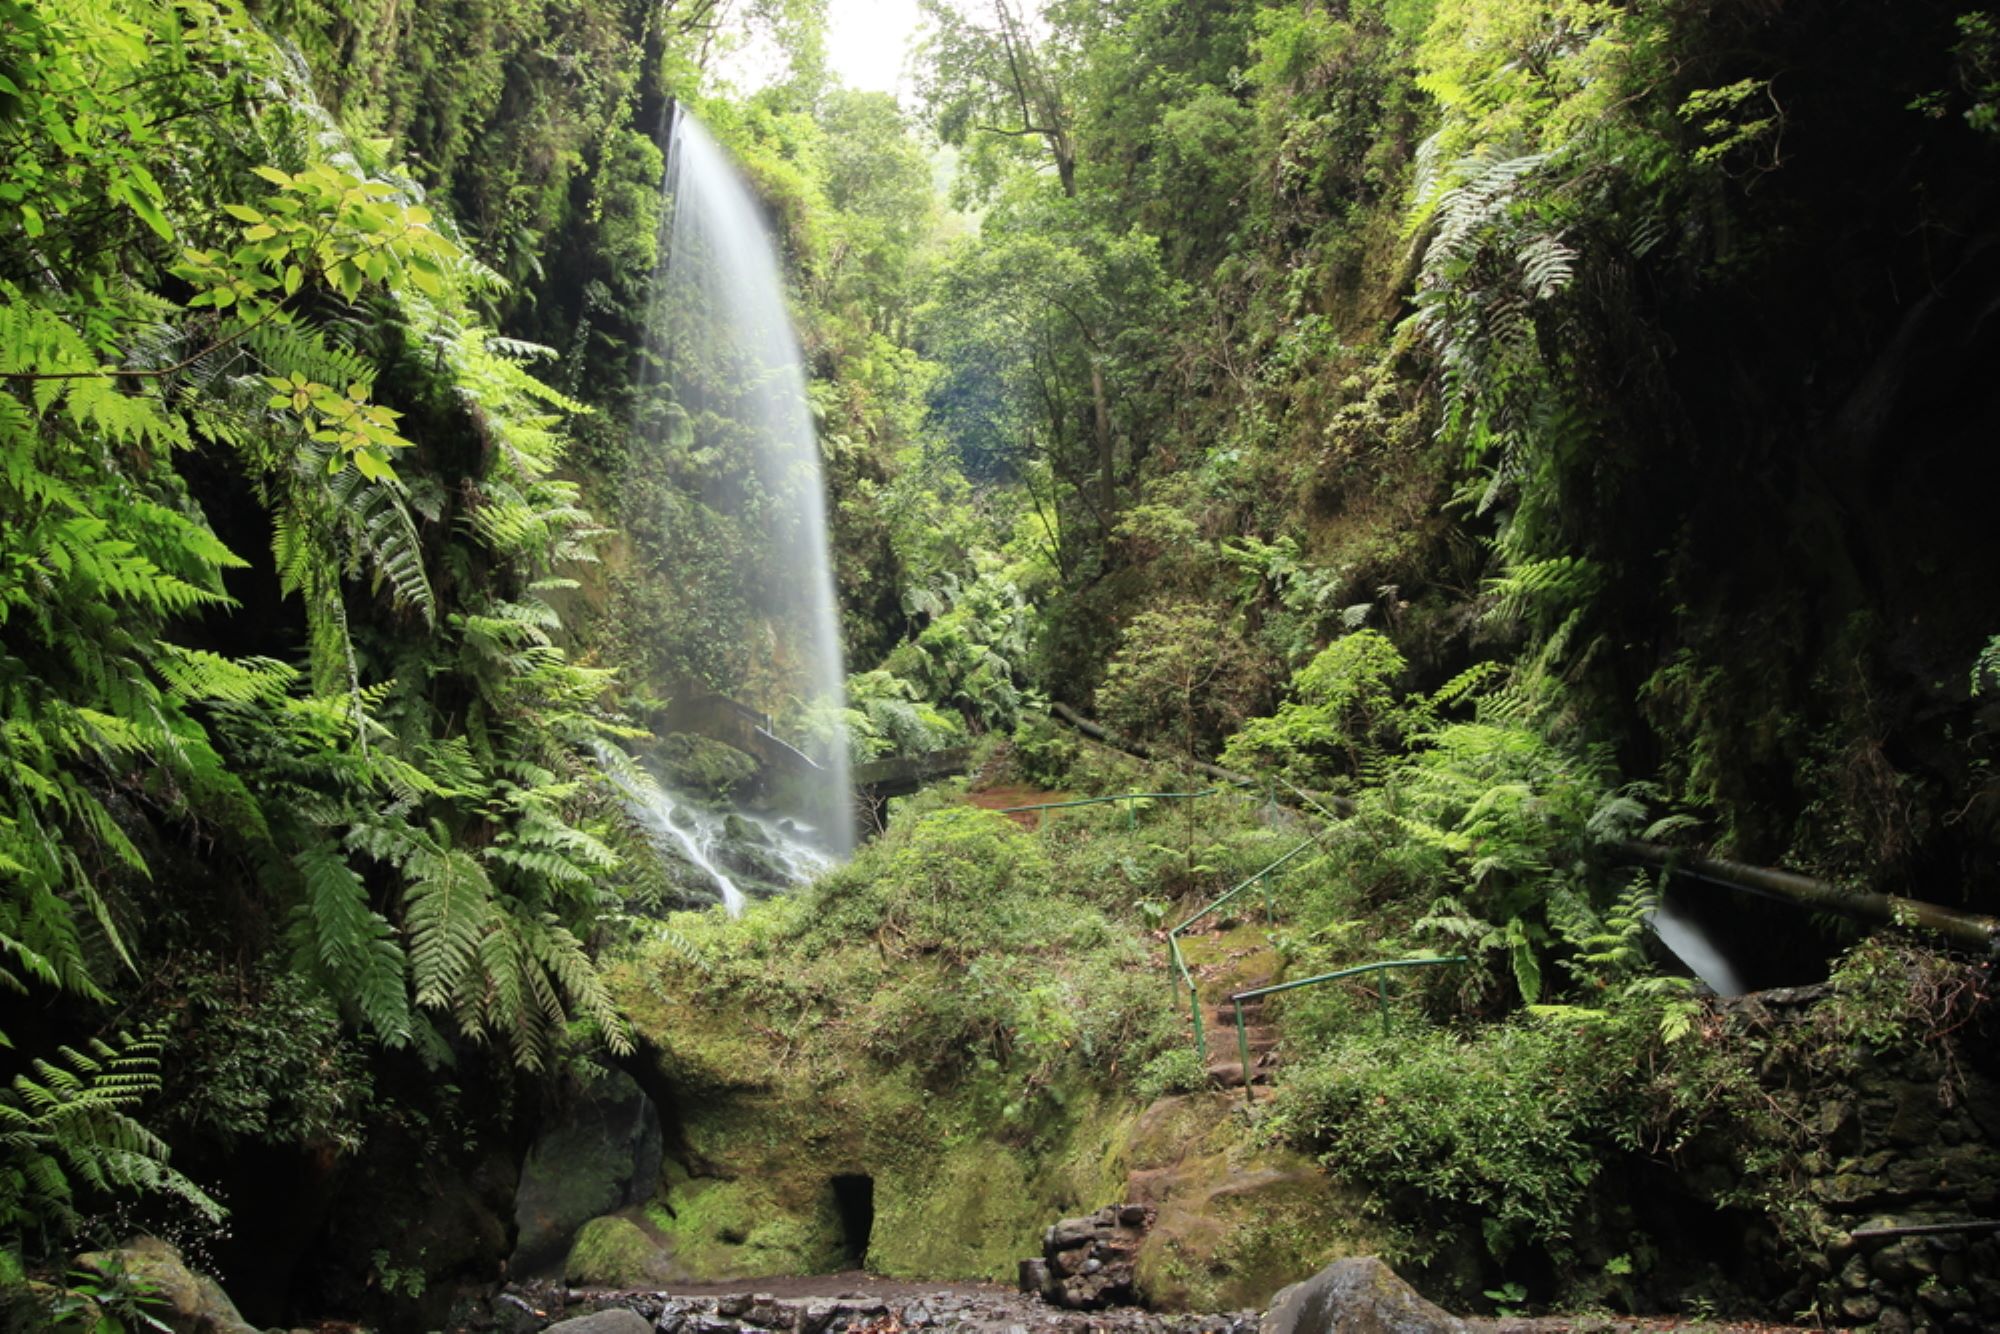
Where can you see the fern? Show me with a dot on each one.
(354, 948)
(1986, 667)
(447, 907)
(68, 1123)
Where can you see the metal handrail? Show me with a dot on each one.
(1194, 997)
(1234, 890)
(1381, 993)
(1177, 969)
(1130, 816)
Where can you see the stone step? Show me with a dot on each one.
(1229, 1074)
(1226, 1026)
(1226, 1014)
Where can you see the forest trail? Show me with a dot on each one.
(1223, 962)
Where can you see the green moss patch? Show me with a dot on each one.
(614, 1251)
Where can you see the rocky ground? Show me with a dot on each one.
(847, 1304)
(859, 1304)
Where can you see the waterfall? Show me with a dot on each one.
(722, 412)
(1691, 942)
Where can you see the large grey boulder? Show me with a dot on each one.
(615, 1321)
(1356, 1296)
(601, 1153)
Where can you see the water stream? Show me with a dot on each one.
(1690, 941)
(711, 841)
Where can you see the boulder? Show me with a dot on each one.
(614, 1252)
(1088, 1263)
(1360, 1295)
(188, 1302)
(599, 1154)
(618, 1320)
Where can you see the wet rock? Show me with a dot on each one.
(618, 1320)
(195, 1303)
(767, 1312)
(1070, 1232)
(860, 1304)
(1860, 1306)
(1356, 1296)
(1891, 1265)
(734, 1305)
(1944, 1299)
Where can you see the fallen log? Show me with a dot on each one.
(1967, 928)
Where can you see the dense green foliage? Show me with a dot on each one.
(1498, 428)
(366, 727)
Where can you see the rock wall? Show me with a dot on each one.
(1914, 1142)
(1088, 1263)
(1909, 1138)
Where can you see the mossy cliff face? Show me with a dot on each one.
(925, 1059)
(938, 1025)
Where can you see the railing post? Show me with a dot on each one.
(1243, 1051)
(1382, 994)
(1200, 1038)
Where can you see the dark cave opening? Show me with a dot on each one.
(854, 1206)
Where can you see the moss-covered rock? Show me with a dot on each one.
(614, 1251)
(600, 1153)
(701, 764)
(1237, 1220)
(183, 1300)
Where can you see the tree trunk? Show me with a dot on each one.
(1107, 456)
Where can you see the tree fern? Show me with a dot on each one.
(447, 907)
(354, 947)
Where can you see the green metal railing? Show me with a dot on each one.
(1177, 969)
(1130, 816)
(1381, 993)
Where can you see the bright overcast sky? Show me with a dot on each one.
(868, 42)
(867, 46)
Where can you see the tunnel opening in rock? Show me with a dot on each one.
(854, 1209)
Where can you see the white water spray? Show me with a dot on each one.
(663, 818)
(728, 415)
(1690, 943)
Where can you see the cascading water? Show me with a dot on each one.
(722, 415)
(704, 840)
(1685, 936)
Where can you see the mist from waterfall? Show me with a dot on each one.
(722, 390)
